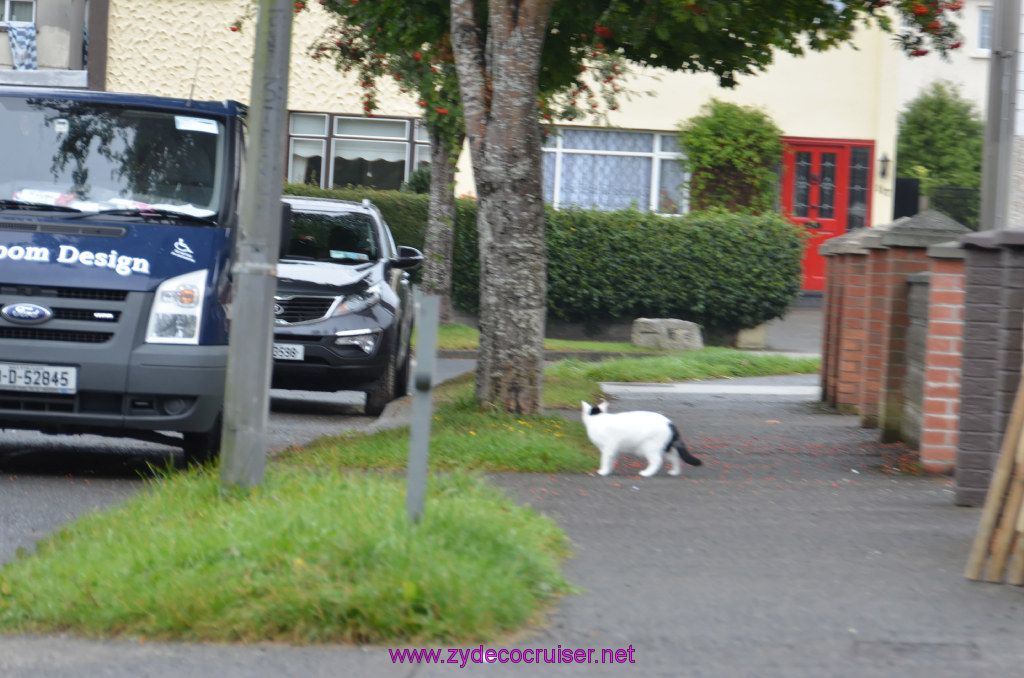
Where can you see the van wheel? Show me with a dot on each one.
(204, 446)
(384, 392)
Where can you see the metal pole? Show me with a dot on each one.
(997, 163)
(247, 393)
(419, 429)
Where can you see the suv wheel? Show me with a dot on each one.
(203, 446)
(384, 392)
(402, 378)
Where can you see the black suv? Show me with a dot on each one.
(343, 312)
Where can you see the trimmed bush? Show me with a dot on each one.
(724, 271)
(721, 270)
(732, 154)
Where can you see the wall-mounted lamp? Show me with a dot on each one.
(883, 168)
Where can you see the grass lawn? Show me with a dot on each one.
(457, 337)
(308, 557)
(322, 552)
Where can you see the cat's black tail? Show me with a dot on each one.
(679, 446)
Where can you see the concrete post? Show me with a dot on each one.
(427, 311)
(257, 247)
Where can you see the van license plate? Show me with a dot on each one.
(289, 352)
(38, 378)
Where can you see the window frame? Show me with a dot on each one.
(657, 155)
(980, 49)
(416, 154)
(6, 11)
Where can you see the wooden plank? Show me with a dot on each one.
(1007, 530)
(1015, 573)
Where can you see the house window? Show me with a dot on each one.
(306, 156)
(985, 29)
(341, 150)
(614, 169)
(18, 11)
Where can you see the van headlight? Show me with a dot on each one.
(176, 316)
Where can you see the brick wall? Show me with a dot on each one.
(868, 323)
(896, 264)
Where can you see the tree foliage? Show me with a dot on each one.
(739, 37)
(941, 139)
(732, 153)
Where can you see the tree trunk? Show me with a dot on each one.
(498, 82)
(438, 243)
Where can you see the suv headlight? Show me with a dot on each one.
(360, 301)
(176, 316)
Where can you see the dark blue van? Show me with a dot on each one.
(116, 218)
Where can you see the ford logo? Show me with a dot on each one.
(26, 314)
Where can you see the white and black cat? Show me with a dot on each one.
(648, 434)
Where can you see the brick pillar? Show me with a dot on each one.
(852, 334)
(994, 297)
(877, 331)
(844, 312)
(940, 403)
(831, 317)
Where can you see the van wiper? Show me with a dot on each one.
(6, 203)
(147, 213)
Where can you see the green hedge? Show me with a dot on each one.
(724, 271)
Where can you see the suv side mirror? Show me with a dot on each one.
(286, 229)
(408, 257)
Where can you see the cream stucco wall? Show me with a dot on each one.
(166, 47)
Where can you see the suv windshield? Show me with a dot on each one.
(333, 237)
(93, 157)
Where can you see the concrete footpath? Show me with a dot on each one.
(797, 550)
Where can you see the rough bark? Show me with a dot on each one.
(438, 243)
(498, 82)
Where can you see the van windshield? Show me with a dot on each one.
(93, 157)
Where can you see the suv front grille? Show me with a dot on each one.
(301, 309)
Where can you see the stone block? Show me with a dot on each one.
(753, 339)
(667, 334)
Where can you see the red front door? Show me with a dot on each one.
(826, 188)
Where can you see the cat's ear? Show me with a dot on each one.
(603, 406)
(586, 407)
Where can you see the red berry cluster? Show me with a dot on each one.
(933, 26)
